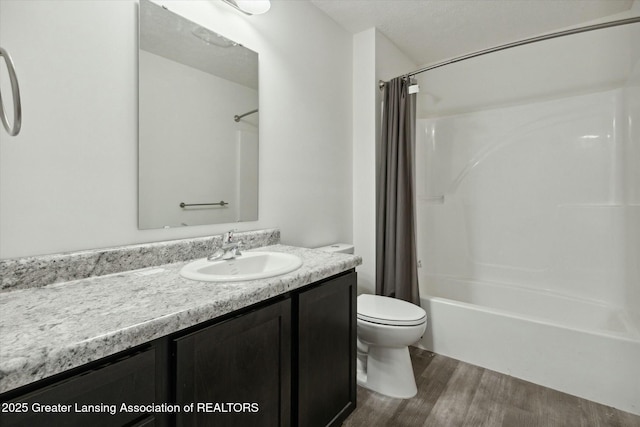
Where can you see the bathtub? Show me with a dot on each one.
(572, 345)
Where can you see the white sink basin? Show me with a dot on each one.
(248, 266)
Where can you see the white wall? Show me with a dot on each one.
(374, 58)
(364, 157)
(69, 180)
(515, 76)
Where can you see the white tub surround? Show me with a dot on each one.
(535, 220)
(528, 213)
(51, 329)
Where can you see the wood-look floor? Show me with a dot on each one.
(454, 393)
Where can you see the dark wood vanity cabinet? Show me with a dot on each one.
(237, 372)
(291, 363)
(285, 362)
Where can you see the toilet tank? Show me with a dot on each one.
(343, 248)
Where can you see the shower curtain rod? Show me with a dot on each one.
(238, 117)
(543, 37)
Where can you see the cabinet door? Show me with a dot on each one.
(237, 372)
(327, 352)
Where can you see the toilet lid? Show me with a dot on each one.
(389, 311)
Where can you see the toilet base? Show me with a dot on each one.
(389, 372)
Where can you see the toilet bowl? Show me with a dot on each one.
(386, 327)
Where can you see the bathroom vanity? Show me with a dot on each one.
(296, 356)
(150, 348)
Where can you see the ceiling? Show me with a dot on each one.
(429, 31)
(171, 36)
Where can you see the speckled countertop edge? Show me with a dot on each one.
(48, 330)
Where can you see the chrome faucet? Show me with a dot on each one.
(229, 249)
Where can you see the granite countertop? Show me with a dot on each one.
(50, 329)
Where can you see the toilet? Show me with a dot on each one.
(386, 328)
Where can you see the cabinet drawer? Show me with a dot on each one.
(92, 398)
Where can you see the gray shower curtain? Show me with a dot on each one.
(396, 266)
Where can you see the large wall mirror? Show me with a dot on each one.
(198, 124)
